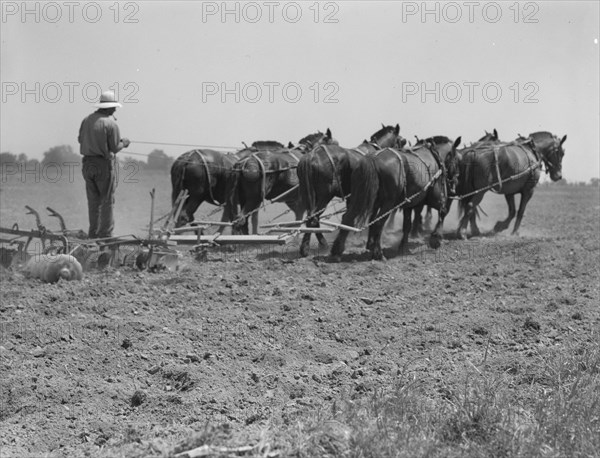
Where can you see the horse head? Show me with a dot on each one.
(554, 156)
(387, 136)
(549, 148)
(311, 141)
(451, 163)
(489, 137)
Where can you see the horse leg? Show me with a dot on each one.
(322, 241)
(189, 208)
(406, 225)
(371, 234)
(474, 228)
(470, 213)
(502, 225)
(376, 229)
(391, 220)
(525, 196)
(313, 222)
(225, 218)
(254, 219)
(339, 244)
(305, 244)
(461, 232)
(435, 240)
(428, 219)
(241, 226)
(417, 225)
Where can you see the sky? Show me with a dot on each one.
(219, 74)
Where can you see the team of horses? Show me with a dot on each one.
(376, 179)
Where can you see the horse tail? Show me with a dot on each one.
(228, 175)
(178, 175)
(232, 188)
(365, 187)
(308, 176)
(467, 183)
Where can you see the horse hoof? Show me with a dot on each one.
(323, 244)
(303, 251)
(475, 233)
(515, 233)
(435, 241)
(378, 257)
(461, 236)
(499, 227)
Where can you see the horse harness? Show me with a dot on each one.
(207, 169)
(264, 170)
(535, 165)
(434, 153)
(336, 172)
(409, 199)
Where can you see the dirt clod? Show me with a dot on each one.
(138, 398)
(531, 324)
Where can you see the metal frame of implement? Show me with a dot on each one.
(159, 242)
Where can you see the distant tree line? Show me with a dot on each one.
(563, 182)
(64, 154)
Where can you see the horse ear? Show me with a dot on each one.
(456, 142)
(495, 134)
(563, 139)
(290, 145)
(382, 125)
(397, 129)
(328, 133)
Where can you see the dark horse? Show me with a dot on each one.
(205, 174)
(509, 169)
(414, 177)
(270, 175)
(418, 227)
(325, 173)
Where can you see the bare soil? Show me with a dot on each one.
(129, 363)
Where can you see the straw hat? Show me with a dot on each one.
(108, 100)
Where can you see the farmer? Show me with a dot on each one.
(100, 140)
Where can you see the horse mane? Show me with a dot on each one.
(381, 132)
(436, 140)
(309, 139)
(266, 144)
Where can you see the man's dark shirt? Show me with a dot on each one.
(99, 135)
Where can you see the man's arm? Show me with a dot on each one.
(80, 130)
(115, 142)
